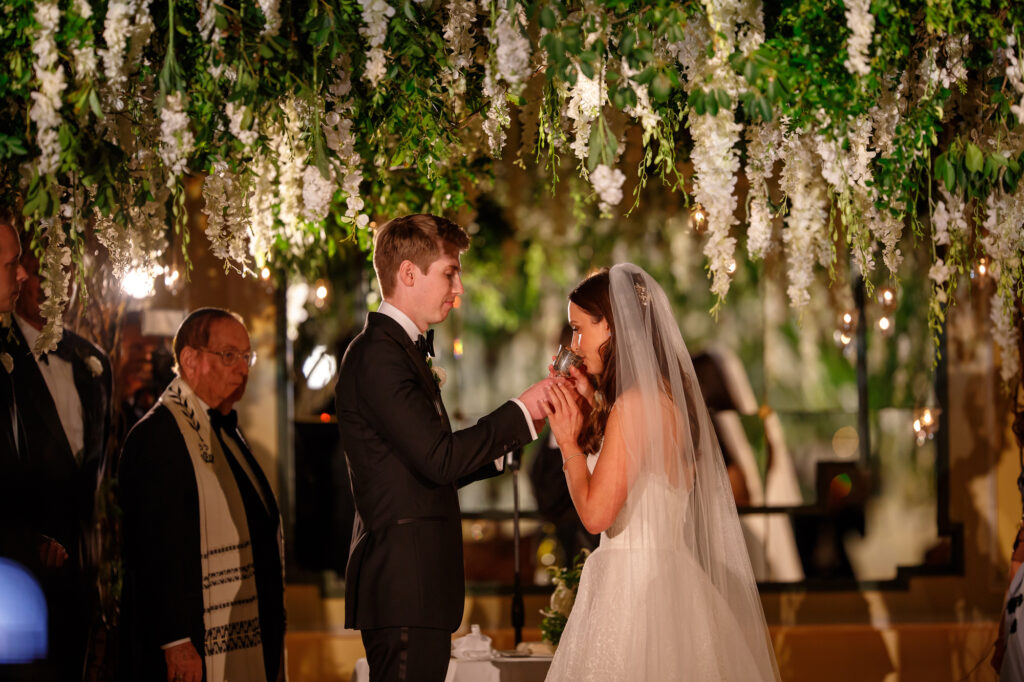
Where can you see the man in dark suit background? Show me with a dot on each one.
(203, 556)
(14, 536)
(64, 400)
(12, 278)
(404, 583)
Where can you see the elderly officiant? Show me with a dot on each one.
(203, 552)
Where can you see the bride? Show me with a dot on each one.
(669, 594)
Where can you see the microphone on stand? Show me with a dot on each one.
(514, 459)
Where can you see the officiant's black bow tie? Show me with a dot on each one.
(224, 422)
(425, 345)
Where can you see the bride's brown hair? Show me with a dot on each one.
(593, 296)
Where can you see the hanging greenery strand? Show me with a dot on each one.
(310, 117)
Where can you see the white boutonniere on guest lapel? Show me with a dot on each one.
(440, 376)
(94, 365)
(7, 361)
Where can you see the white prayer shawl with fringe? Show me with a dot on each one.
(233, 648)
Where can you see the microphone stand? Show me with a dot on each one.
(518, 611)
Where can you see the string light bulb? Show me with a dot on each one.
(925, 424)
(699, 218)
(981, 269)
(847, 322)
(887, 298)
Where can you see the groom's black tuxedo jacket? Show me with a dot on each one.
(405, 564)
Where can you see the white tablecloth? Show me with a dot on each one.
(511, 669)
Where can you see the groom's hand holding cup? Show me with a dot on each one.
(533, 398)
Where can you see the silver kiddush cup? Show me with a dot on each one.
(566, 359)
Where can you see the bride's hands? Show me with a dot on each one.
(578, 379)
(581, 382)
(563, 413)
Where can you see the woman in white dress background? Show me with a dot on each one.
(669, 594)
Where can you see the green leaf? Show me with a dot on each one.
(696, 100)
(596, 143)
(645, 76)
(661, 87)
(548, 19)
(627, 42)
(94, 103)
(974, 158)
(587, 69)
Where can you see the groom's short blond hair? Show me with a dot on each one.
(420, 238)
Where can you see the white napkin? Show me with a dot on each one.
(473, 646)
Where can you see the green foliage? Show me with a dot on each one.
(568, 578)
(417, 139)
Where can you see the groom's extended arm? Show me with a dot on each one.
(395, 403)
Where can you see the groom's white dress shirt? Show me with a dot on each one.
(413, 331)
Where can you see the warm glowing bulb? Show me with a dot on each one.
(917, 426)
(884, 323)
(138, 283)
(845, 339)
(457, 348)
(926, 418)
(265, 273)
(847, 318)
(731, 267)
(321, 292)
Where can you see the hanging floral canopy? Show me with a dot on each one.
(308, 118)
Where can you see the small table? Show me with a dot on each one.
(497, 669)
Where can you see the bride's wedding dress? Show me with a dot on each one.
(669, 593)
(646, 611)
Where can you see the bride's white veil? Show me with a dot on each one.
(688, 566)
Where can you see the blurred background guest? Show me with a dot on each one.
(64, 401)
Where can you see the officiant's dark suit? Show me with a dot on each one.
(404, 583)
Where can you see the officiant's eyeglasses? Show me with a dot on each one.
(228, 358)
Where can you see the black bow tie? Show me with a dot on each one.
(63, 352)
(425, 345)
(224, 422)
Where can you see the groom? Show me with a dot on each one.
(404, 585)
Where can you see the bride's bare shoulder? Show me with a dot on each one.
(634, 403)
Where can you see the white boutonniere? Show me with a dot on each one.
(94, 365)
(7, 361)
(440, 376)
